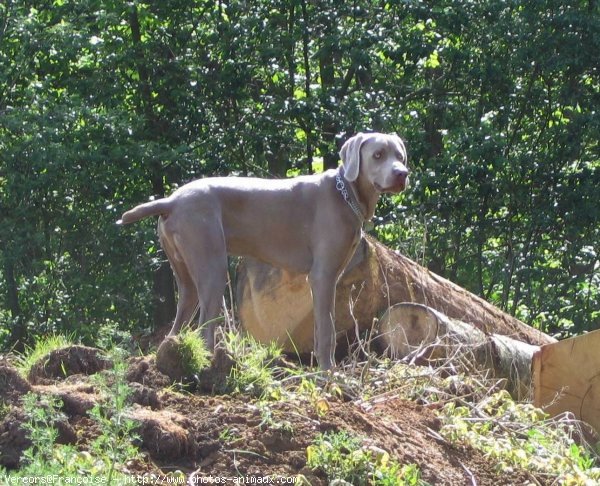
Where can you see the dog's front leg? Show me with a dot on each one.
(322, 285)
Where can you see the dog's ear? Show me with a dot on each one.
(402, 146)
(350, 155)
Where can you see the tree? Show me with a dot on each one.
(104, 104)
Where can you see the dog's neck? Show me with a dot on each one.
(364, 195)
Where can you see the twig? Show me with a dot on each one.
(471, 475)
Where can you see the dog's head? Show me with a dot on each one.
(378, 157)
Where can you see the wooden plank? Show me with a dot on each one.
(566, 378)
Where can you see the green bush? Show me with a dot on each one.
(253, 372)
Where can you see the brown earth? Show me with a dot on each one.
(203, 435)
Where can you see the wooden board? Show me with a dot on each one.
(566, 378)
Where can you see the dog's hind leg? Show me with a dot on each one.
(187, 296)
(204, 253)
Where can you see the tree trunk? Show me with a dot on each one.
(429, 337)
(275, 305)
(18, 330)
(163, 293)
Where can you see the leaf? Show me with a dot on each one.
(322, 407)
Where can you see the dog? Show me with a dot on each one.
(308, 224)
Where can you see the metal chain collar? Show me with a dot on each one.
(341, 187)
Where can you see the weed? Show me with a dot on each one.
(315, 395)
(228, 435)
(518, 435)
(43, 346)
(253, 372)
(45, 458)
(42, 412)
(115, 445)
(269, 421)
(343, 456)
(4, 409)
(112, 448)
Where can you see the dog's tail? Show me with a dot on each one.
(152, 208)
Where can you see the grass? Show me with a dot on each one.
(43, 346)
(254, 370)
(192, 351)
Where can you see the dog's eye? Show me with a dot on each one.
(377, 155)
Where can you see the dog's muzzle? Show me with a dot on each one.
(399, 181)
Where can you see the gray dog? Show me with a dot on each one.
(308, 224)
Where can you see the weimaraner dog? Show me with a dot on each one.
(308, 224)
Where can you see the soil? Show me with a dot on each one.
(203, 434)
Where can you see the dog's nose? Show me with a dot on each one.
(400, 173)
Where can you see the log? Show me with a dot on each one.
(275, 305)
(429, 337)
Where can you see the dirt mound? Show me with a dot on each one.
(76, 398)
(13, 439)
(243, 438)
(227, 436)
(408, 432)
(143, 370)
(165, 435)
(63, 362)
(12, 385)
(212, 379)
(168, 359)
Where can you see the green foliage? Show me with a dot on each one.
(43, 413)
(269, 419)
(103, 104)
(515, 435)
(343, 456)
